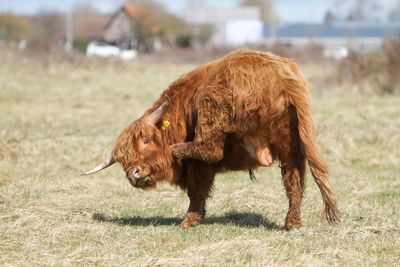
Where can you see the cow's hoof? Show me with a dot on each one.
(185, 224)
(290, 226)
(192, 219)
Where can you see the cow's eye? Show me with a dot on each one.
(145, 141)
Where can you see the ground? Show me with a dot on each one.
(60, 118)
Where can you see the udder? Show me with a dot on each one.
(258, 148)
(241, 154)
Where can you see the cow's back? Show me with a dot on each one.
(252, 83)
(257, 82)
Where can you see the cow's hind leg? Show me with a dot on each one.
(293, 169)
(200, 178)
(293, 180)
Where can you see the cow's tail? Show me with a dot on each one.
(300, 97)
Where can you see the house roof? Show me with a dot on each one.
(326, 30)
(89, 26)
(133, 11)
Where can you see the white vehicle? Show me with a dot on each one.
(336, 52)
(128, 54)
(102, 49)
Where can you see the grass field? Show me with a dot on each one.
(61, 118)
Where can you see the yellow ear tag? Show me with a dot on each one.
(165, 124)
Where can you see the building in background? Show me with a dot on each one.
(89, 27)
(359, 36)
(145, 26)
(231, 26)
(121, 29)
(85, 29)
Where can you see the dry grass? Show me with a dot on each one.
(371, 73)
(58, 119)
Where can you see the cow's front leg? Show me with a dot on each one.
(200, 178)
(210, 151)
(195, 213)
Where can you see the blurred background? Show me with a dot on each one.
(74, 73)
(361, 34)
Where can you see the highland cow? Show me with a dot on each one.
(240, 112)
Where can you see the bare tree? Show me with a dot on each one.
(49, 30)
(329, 17)
(172, 27)
(394, 13)
(268, 14)
(85, 9)
(357, 10)
(364, 10)
(13, 27)
(146, 24)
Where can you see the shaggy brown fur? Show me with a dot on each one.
(236, 113)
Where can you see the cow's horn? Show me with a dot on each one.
(157, 114)
(107, 163)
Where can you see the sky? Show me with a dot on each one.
(288, 10)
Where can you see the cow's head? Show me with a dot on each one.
(142, 152)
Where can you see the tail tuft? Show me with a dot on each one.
(300, 98)
(330, 211)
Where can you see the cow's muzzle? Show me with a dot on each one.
(141, 182)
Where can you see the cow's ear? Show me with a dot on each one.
(157, 114)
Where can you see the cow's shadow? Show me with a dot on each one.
(242, 219)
